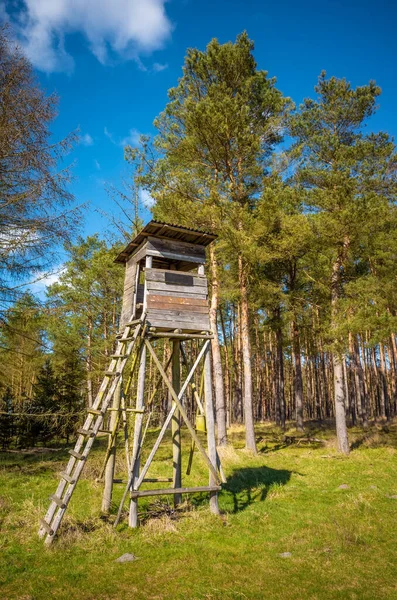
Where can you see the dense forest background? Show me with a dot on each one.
(302, 275)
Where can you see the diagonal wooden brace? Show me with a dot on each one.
(183, 412)
(160, 436)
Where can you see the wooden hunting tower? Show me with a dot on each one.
(165, 278)
(165, 296)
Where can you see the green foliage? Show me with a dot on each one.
(22, 345)
(350, 187)
(85, 305)
(215, 139)
(33, 190)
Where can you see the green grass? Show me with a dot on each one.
(287, 499)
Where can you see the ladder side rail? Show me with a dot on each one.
(50, 515)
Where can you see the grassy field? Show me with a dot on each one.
(298, 522)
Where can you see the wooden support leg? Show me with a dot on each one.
(209, 409)
(176, 422)
(125, 431)
(111, 461)
(136, 461)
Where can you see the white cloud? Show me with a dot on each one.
(125, 27)
(132, 139)
(86, 140)
(146, 199)
(108, 134)
(97, 165)
(44, 279)
(158, 67)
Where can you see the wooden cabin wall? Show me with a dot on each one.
(129, 291)
(177, 300)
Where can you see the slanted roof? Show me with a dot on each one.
(168, 231)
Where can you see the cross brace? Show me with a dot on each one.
(134, 331)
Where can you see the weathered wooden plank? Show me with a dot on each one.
(68, 478)
(157, 286)
(183, 325)
(46, 527)
(139, 253)
(58, 501)
(179, 490)
(195, 273)
(155, 305)
(178, 300)
(178, 294)
(128, 294)
(175, 249)
(176, 278)
(162, 326)
(169, 315)
(182, 336)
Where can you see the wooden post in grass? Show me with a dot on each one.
(176, 423)
(136, 459)
(111, 460)
(210, 422)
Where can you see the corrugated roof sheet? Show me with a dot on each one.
(166, 230)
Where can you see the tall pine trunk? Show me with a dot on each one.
(246, 352)
(216, 355)
(280, 370)
(339, 392)
(298, 381)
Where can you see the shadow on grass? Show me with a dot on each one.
(252, 484)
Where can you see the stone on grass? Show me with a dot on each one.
(125, 558)
(394, 497)
(285, 554)
(344, 486)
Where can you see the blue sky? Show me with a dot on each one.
(112, 62)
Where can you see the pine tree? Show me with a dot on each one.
(85, 306)
(213, 144)
(350, 180)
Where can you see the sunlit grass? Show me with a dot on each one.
(288, 499)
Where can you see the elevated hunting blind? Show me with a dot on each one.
(165, 298)
(165, 278)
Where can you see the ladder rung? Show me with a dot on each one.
(130, 324)
(127, 339)
(67, 478)
(46, 527)
(95, 411)
(77, 455)
(135, 410)
(58, 501)
(112, 373)
(104, 431)
(88, 432)
(118, 355)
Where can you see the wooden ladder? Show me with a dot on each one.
(87, 434)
